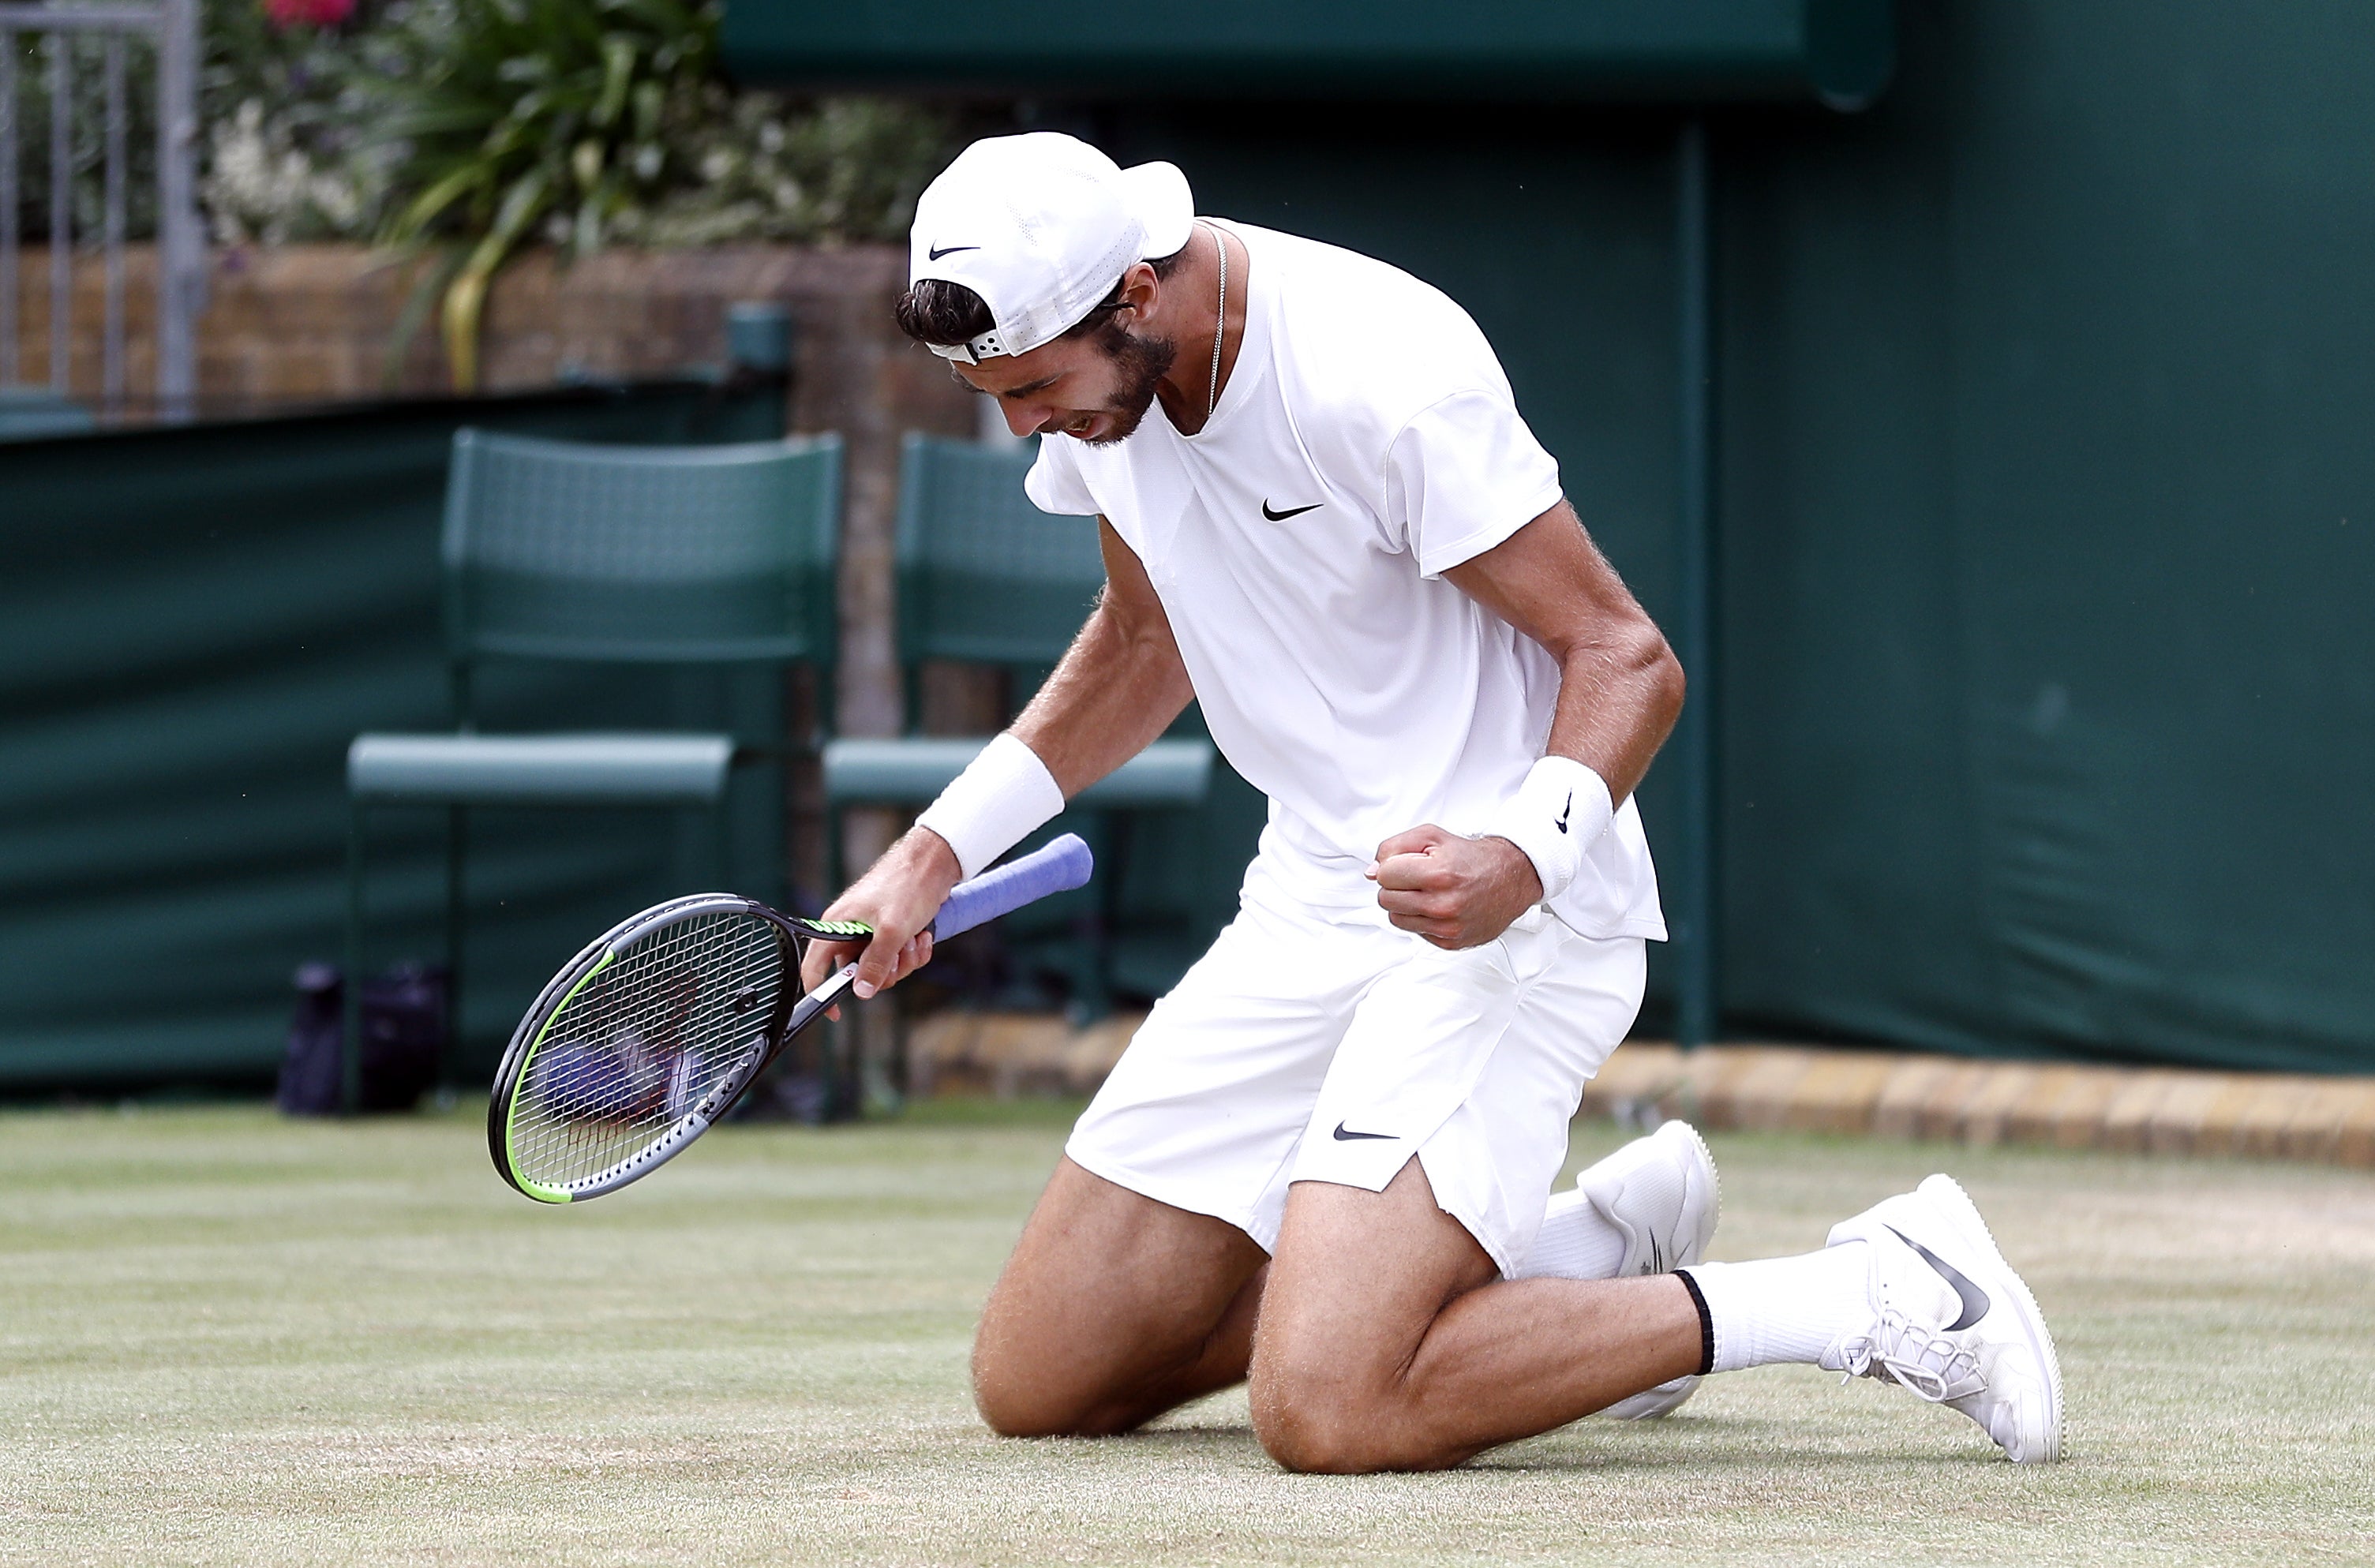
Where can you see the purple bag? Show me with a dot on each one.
(403, 1040)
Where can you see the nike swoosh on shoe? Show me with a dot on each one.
(1975, 1304)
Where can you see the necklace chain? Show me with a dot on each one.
(1212, 387)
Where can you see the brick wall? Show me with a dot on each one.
(308, 323)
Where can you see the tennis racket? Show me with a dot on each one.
(648, 1037)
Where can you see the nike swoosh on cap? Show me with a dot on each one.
(1344, 1134)
(949, 251)
(1290, 511)
(1976, 1304)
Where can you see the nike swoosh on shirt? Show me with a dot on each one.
(1290, 511)
(1976, 1304)
(1345, 1135)
(950, 251)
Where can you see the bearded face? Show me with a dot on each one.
(1139, 366)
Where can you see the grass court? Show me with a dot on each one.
(227, 1338)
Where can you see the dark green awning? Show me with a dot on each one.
(1836, 51)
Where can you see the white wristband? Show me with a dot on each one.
(988, 810)
(1553, 818)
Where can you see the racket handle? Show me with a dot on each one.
(1058, 865)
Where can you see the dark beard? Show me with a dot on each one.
(1143, 363)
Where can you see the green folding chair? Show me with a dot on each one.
(986, 578)
(718, 556)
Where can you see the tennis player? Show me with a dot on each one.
(1325, 1163)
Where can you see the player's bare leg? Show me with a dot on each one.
(1387, 1341)
(1113, 1309)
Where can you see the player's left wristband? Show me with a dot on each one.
(1553, 818)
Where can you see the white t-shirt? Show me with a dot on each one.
(1366, 441)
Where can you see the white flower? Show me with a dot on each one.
(262, 186)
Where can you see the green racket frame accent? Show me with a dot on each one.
(537, 1189)
(830, 930)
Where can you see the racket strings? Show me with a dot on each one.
(637, 1045)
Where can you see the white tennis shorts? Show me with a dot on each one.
(1326, 1045)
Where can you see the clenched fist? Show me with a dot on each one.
(1456, 892)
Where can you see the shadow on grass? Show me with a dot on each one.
(1699, 1444)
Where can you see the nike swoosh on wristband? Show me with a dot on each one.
(950, 251)
(1565, 812)
(1290, 511)
(1976, 1304)
(1344, 1134)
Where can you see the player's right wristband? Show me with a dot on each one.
(989, 809)
(1553, 818)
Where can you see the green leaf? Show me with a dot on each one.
(619, 69)
(424, 208)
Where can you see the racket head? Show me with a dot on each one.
(640, 1042)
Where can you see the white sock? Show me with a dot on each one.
(1576, 1242)
(1783, 1309)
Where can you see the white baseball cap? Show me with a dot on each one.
(1042, 226)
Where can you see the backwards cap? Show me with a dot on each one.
(1042, 227)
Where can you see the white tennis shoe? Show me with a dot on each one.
(1951, 1322)
(1663, 1197)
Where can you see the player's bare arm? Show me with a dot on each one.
(1619, 691)
(1117, 688)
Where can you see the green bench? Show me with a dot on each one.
(703, 556)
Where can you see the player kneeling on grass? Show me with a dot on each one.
(1323, 1165)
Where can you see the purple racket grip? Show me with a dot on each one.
(1058, 865)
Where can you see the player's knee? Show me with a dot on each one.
(1309, 1443)
(1022, 1396)
(1316, 1423)
(1331, 1437)
(1015, 1405)
(1015, 1412)
(1008, 1411)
